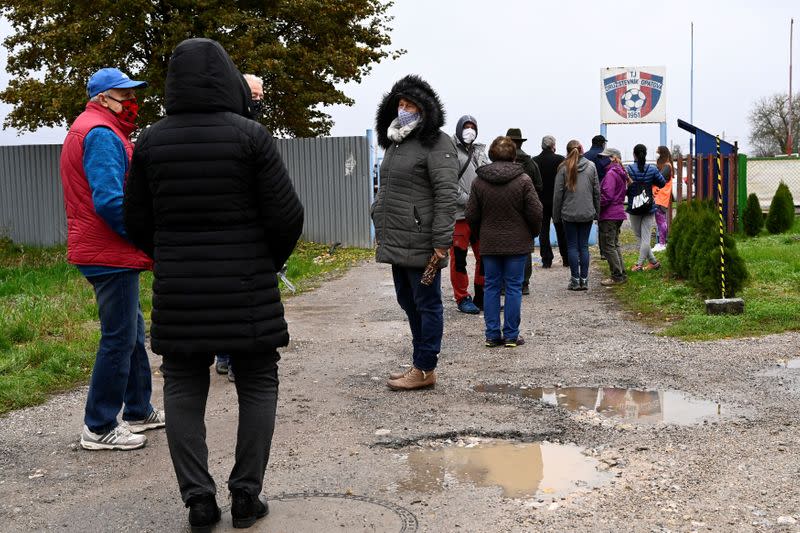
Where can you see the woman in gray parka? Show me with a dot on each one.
(414, 214)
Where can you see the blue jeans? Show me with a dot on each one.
(121, 374)
(423, 306)
(500, 270)
(577, 234)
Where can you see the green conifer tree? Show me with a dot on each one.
(752, 217)
(781, 211)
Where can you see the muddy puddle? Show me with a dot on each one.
(630, 405)
(521, 470)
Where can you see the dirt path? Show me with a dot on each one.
(330, 470)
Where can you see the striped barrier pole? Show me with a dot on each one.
(721, 219)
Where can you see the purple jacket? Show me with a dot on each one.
(613, 190)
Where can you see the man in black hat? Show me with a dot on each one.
(532, 170)
(601, 162)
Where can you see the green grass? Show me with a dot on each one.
(772, 298)
(49, 328)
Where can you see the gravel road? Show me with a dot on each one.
(340, 458)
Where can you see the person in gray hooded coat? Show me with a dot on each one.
(471, 155)
(414, 214)
(576, 203)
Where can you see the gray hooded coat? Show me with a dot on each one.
(414, 211)
(476, 153)
(582, 204)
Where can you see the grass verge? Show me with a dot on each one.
(772, 298)
(48, 318)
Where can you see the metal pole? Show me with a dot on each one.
(721, 223)
(691, 92)
(789, 139)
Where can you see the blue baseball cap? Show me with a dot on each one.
(111, 78)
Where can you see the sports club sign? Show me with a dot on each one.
(633, 94)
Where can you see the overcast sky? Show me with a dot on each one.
(536, 66)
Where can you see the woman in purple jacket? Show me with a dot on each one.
(613, 190)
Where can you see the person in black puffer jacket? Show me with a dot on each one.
(414, 215)
(209, 198)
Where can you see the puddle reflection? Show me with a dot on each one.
(643, 406)
(520, 469)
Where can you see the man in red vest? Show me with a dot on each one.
(94, 163)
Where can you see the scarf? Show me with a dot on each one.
(398, 133)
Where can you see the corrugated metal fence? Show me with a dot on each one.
(332, 176)
(31, 199)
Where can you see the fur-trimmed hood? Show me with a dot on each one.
(413, 88)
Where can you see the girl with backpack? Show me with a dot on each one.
(642, 206)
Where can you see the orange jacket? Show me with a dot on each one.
(663, 195)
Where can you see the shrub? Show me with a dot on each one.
(752, 217)
(781, 210)
(683, 234)
(695, 254)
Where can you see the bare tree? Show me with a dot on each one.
(769, 120)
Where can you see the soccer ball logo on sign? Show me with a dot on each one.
(633, 100)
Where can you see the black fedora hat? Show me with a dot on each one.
(515, 134)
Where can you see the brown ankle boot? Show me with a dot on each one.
(414, 379)
(398, 375)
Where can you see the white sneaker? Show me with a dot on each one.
(659, 248)
(154, 420)
(119, 438)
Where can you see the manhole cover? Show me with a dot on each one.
(641, 406)
(521, 470)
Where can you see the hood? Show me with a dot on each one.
(460, 126)
(500, 172)
(201, 78)
(418, 91)
(583, 163)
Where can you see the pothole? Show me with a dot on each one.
(520, 469)
(631, 405)
(321, 511)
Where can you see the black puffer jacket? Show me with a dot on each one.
(414, 211)
(209, 197)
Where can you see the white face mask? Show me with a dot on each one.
(469, 135)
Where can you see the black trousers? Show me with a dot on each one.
(545, 248)
(186, 382)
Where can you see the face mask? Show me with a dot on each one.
(129, 111)
(257, 107)
(469, 135)
(406, 118)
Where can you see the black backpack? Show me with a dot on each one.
(642, 200)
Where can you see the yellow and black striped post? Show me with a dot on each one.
(721, 219)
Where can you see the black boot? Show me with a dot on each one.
(247, 508)
(203, 513)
